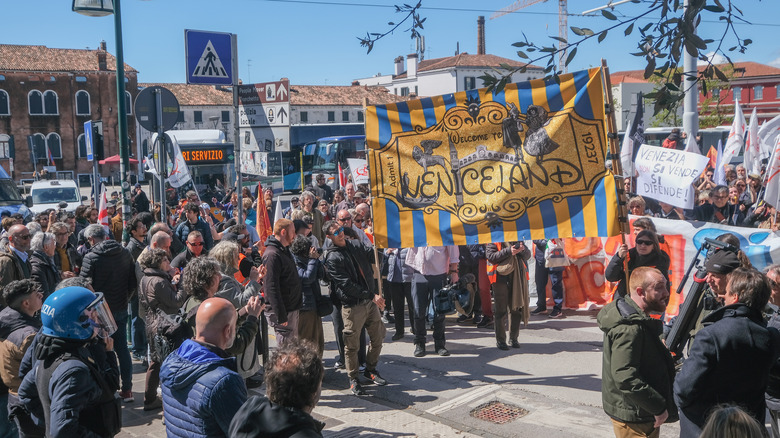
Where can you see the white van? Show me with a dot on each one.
(50, 193)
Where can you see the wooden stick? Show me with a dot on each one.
(617, 167)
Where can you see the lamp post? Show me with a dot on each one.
(101, 8)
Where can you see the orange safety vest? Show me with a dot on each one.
(238, 276)
(491, 268)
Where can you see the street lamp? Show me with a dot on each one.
(101, 8)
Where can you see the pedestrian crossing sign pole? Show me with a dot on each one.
(212, 59)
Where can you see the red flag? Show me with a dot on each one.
(103, 218)
(342, 177)
(263, 223)
(712, 154)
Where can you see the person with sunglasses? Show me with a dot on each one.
(647, 252)
(15, 260)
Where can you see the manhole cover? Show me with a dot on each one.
(498, 412)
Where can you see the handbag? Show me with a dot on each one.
(506, 267)
(248, 362)
(324, 305)
(555, 256)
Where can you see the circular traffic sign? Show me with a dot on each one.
(146, 108)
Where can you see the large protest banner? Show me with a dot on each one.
(666, 175)
(477, 167)
(584, 283)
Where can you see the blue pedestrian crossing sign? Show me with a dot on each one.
(209, 57)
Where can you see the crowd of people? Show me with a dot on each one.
(79, 306)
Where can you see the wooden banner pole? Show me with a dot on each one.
(617, 168)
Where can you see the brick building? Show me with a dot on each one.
(48, 94)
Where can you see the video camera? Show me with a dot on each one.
(693, 305)
(455, 297)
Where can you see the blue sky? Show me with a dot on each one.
(315, 42)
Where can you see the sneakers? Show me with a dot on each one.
(390, 318)
(539, 311)
(398, 336)
(463, 318)
(339, 365)
(484, 322)
(502, 345)
(556, 313)
(384, 319)
(355, 387)
(153, 406)
(375, 377)
(441, 351)
(126, 396)
(515, 344)
(419, 350)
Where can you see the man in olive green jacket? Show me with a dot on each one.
(637, 371)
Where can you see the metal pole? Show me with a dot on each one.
(95, 180)
(236, 145)
(161, 140)
(691, 101)
(124, 147)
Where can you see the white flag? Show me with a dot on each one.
(772, 181)
(767, 134)
(150, 167)
(736, 136)
(692, 146)
(752, 161)
(634, 137)
(719, 177)
(179, 174)
(278, 211)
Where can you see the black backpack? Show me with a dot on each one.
(170, 331)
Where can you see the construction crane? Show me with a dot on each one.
(563, 30)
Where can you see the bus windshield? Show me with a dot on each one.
(329, 151)
(9, 194)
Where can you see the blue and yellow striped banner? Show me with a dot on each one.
(477, 167)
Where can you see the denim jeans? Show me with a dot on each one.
(7, 427)
(137, 328)
(555, 276)
(122, 352)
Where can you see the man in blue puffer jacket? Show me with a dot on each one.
(201, 389)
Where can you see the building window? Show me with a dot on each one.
(737, 92)
(225, 116)
(305, 115)
(50, 106)
(360, 116)
(415, 91)
(469, 83)
(5, 106)
(82, 103)
(198, 116)
(716, 93)
(404, 91)
(331, 116)
(82, 141)
(181, 117)
(55, 145)
(5, 146)
(345, 116)
(758, 92)
(81, 79)
(39, 146)
(35, 102)
(128, 102)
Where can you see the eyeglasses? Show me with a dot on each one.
(195, 243)
(339, 231)
(62, 234)
(644, 242)
(345, 219)
(23, 237)
(360, 221)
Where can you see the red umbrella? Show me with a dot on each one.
(114, 159)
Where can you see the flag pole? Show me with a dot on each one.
(617, 168)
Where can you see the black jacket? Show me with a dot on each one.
(728, 363)
(282, 285)
(258, 417)
(344, 265)
(74, 259)
(44, 272)
(141, 202)
(730, 213)
(615, 272)
(184, 257)
(112, 270)
(136, 247)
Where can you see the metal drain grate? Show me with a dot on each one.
(498, 412)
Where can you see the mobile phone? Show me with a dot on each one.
(517, 245)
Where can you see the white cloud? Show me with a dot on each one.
(775, 62)
(715, 58)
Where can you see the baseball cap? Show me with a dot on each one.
(722, 262)
(137, 185)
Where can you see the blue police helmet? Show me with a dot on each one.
(63, 316)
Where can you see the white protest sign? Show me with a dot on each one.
(666, 175)
(359, 169)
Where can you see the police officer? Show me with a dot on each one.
(68, 388)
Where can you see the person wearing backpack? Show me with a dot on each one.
(65, 385)
(157, 295)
